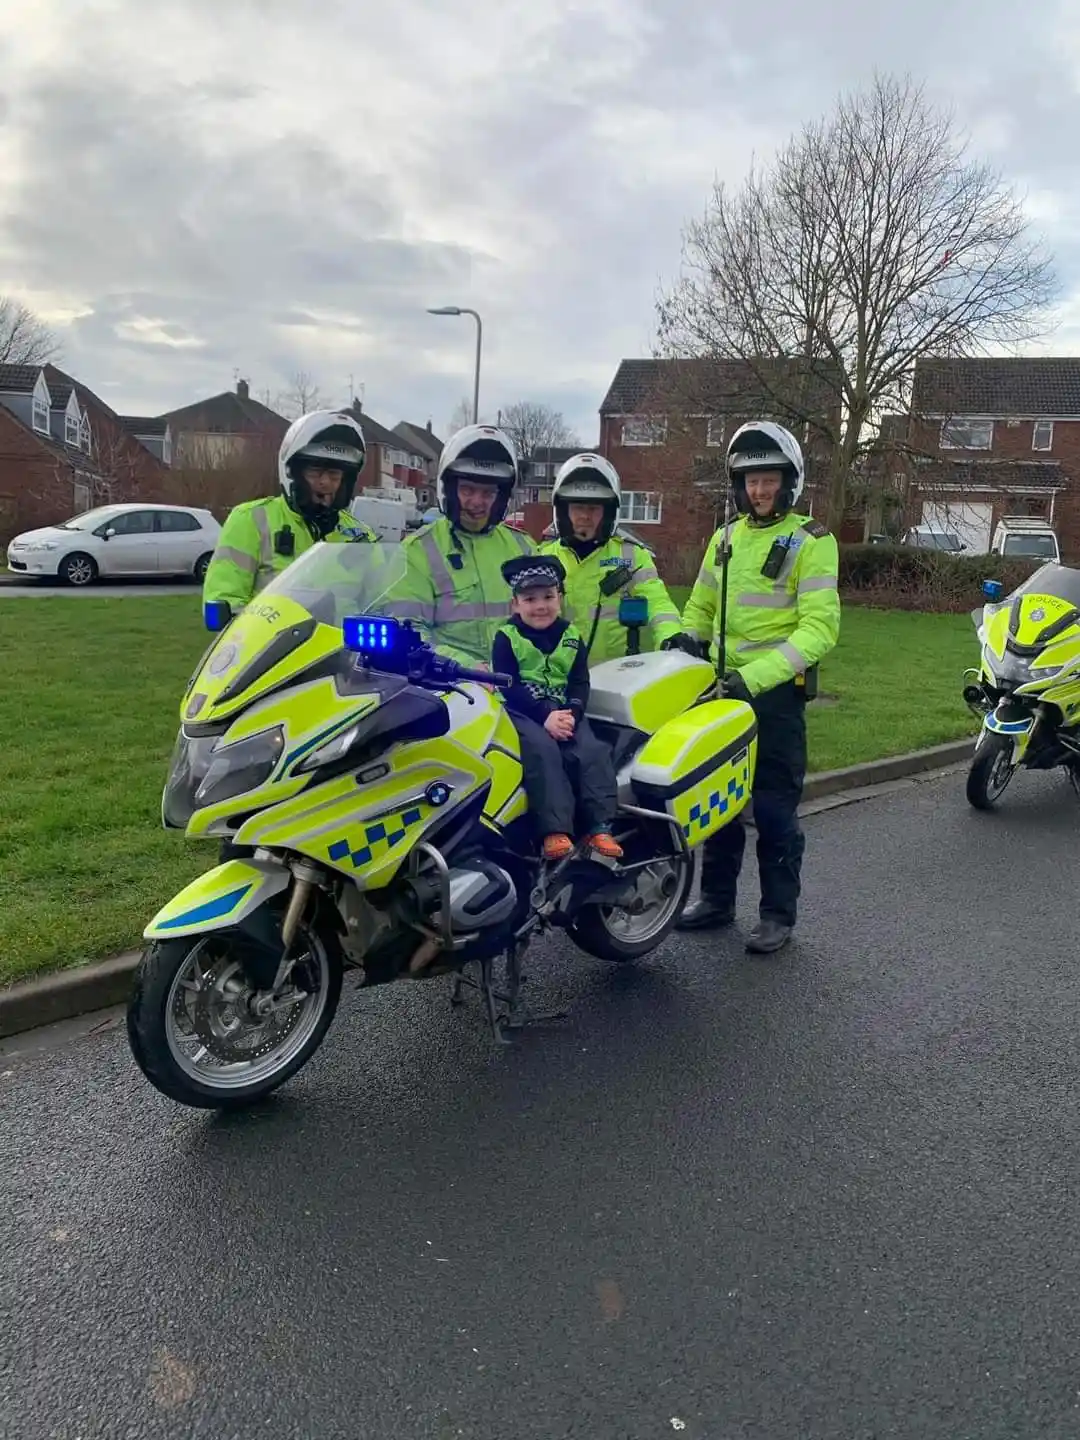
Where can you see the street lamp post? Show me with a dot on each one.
(461, 310)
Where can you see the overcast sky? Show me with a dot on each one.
(210, 186)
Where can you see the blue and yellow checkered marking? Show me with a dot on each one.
(719, 803)
(375, 834)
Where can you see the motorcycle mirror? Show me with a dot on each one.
(992, 589)
(216, 614)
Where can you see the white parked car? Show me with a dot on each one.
(118, 540)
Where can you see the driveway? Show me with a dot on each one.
(825, 1196)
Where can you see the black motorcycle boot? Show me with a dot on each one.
(706, 914)
(768, 936)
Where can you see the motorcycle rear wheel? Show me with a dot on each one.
(991, 770)
(192, 1031)
(610, 932)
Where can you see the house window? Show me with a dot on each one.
(641, 430)
(72, 429)
(40, 414)
(715, 432)
(1042, 435)
(84, 435)
(641, 507)
(965, 433)
(539, 472)
(80, 496)
(166, 449)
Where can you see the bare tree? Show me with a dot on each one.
(24, 339)
(536, 427)
(302, 395)
(872, 239)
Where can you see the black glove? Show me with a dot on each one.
(689, 644)
(733, 687)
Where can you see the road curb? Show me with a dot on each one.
(65, 994)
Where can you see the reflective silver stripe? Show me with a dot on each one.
(410, 609)
(629, 551)
(524, 541)
(708, 579)
(665, 617)
(744, 645)
(239, 558)
(817, 582)
(440, 570)
(795, 658)
(265, 570)
(451, 612)
(647, 573)
(775, 600)
(609, 612)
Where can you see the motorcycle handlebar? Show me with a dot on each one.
(482, 677)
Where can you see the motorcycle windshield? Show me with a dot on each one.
(295, 622)
(331, 581)
(1061, 582)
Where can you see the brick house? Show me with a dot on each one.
(153, 432)
(63, 450)
(665, 425)
(421, 444)
(395, 465)
(987, 438)
(226, 428)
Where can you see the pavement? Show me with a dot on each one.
(824, 1196)
(10, 589)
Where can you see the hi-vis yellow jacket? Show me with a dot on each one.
(454, 589)
(776, 629)
(583, 579)
(246, 558)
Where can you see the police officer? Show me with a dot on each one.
(586, 499)
(783, 615)
(454, 590)
(319, 463)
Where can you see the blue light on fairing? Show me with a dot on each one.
(216, 614)
(369, 634)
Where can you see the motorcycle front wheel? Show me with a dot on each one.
(196, 1031)
(991, 770)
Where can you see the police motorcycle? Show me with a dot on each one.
(372, 794)
(1026, 689)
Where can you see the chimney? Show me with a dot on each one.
(242, 389)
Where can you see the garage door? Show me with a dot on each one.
(971, 523)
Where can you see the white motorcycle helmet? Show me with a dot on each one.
(763, 445)
(591, 480)
(480, 453)
(322, 437)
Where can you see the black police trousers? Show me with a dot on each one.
(564, 776)
(778, 785)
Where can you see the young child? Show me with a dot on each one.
(563, 761)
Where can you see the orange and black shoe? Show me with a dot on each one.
(606, 845)
(557, 847)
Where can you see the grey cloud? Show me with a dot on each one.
(246, 244)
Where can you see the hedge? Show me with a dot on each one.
(900, 577)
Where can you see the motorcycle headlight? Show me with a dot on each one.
(333, 750)
(240, 767)
(190, 761)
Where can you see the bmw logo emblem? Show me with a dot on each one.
(437, 793)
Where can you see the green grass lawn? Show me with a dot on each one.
(89, 712)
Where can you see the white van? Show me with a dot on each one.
(1022, 536)
(387, 517)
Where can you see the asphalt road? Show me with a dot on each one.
(123, 589)
(826, 1196)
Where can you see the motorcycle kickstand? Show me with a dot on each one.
(515, 1017)
(486, 985)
